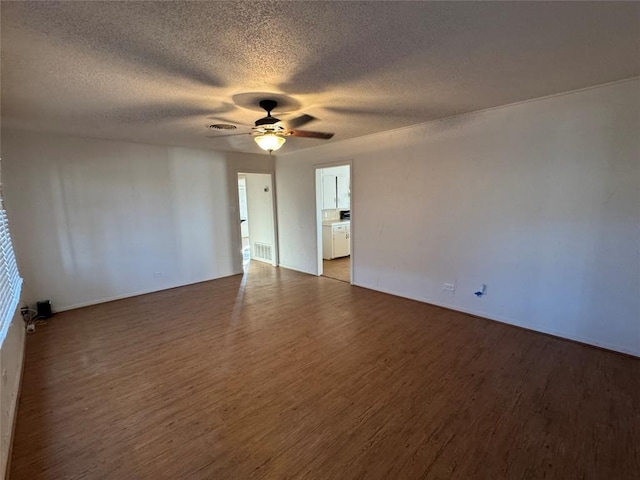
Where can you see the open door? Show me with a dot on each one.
(257, 218)
(333, 200)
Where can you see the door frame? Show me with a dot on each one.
(276, 247)
(318, 182)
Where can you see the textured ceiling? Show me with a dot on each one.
(159, 72)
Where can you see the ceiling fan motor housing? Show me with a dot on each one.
(267, 121)
(268, 105)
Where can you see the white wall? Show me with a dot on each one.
(260, 209)
(94, 220)
(539, 200)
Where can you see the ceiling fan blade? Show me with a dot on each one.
(299, 121)
(308, 134)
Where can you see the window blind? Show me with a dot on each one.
(10, 281)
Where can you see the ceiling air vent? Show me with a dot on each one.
(222, 126)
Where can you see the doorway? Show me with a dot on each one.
(333, 206)
(257, 218)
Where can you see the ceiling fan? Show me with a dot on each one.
(269, 132)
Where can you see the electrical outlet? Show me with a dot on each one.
(157, 274)
(449, 287)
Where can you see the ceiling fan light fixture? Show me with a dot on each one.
(269, 141)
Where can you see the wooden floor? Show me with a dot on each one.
(279, 375)
(338, 269)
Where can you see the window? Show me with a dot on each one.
(10, 281)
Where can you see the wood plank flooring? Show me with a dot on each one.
(277, 374)
(338, 269)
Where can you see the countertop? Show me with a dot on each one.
(335, 222)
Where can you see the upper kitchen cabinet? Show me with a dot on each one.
(335, 188)
(342, 192)
(329, 192)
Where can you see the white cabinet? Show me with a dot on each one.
(341, 244)
(335, 191)
(336, 240)
(342, 191)
(329, 192)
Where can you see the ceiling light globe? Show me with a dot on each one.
(270, 142)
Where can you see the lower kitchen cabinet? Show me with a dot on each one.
(335, 240)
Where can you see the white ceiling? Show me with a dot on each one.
(159, 72)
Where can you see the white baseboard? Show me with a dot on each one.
(297, 269)
(136, 294)
(508, 321)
